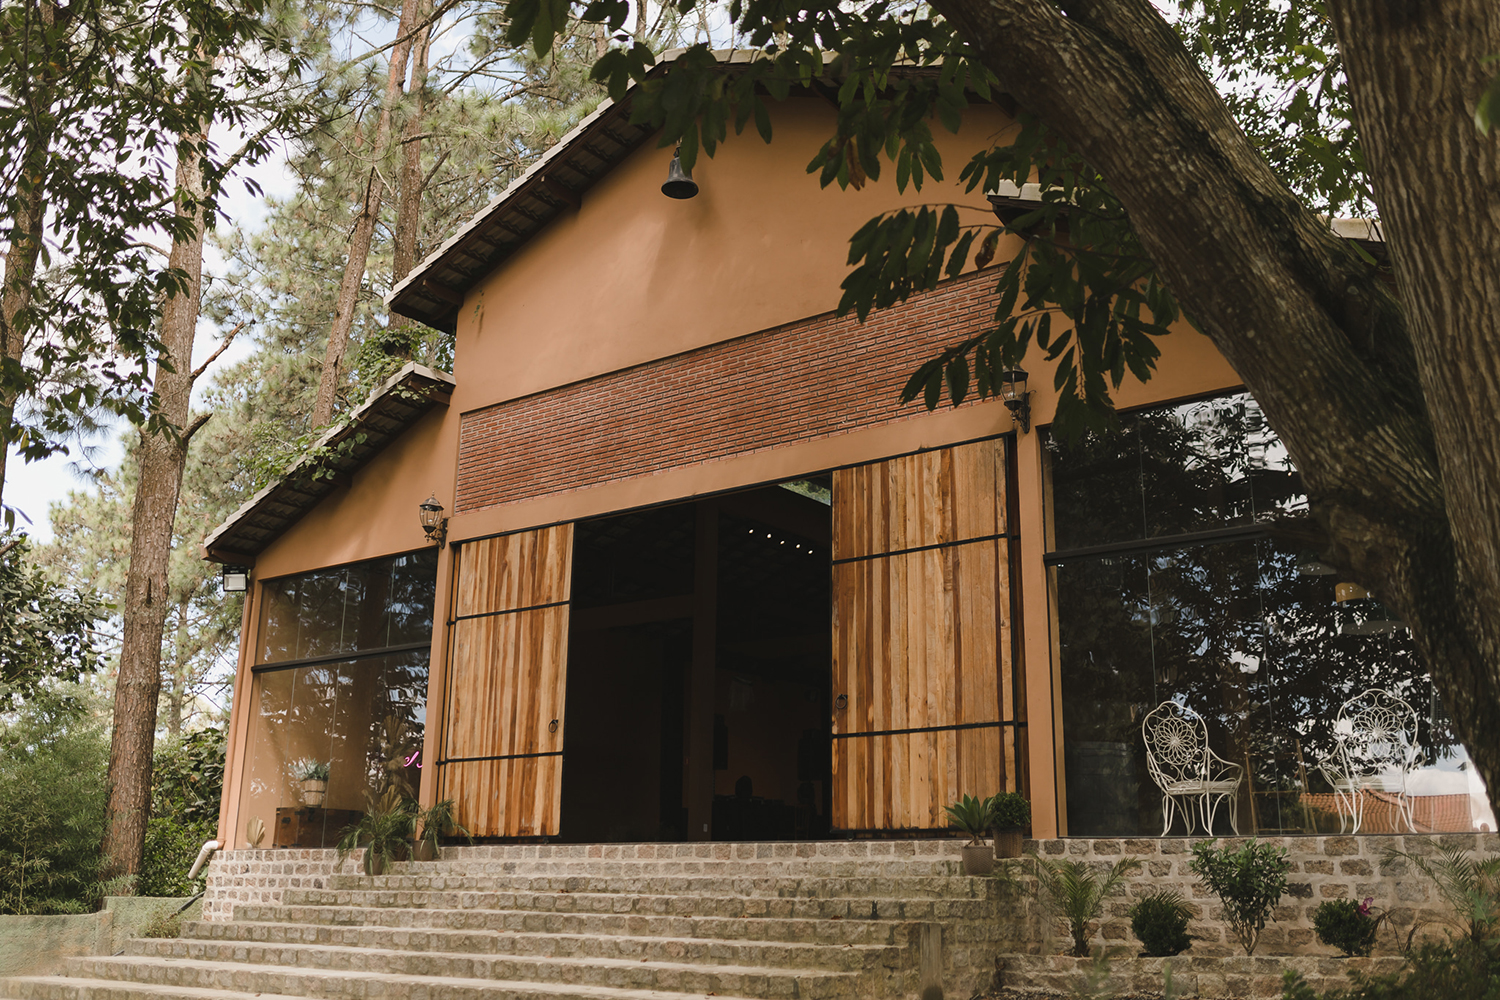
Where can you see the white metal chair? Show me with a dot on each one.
(1183, 766)
(1375, 748)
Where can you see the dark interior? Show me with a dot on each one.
(752, 570)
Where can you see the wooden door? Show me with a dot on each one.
(924, 704)
(507, 677)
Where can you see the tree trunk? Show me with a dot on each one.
(409, 206)
(1317, 338)
(162, 456)
(363, 232)
(20, 267)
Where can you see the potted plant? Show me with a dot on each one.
(385, 832)
(972, 816)
(441, 820)
(313, 774)
(1010, 814)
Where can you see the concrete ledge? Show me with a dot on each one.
(38, 945)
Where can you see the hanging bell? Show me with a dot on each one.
(680, 183)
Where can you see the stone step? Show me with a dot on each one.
(837, 930)
(342, 947)
(869, 887)
(727, 905)
(74, 988)
(70, 988)
(467, 977)
(801, 867)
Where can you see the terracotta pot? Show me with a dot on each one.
(424, 851)
(979, 859)
(376, 863)
(313, 792)
(1008, 842)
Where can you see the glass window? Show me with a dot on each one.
(1230, 629)
(362, 713)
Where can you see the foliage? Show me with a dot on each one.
(1458, 969)
(437, 821)
(971, 815)
(171, 849)
(188, 778)
(164, 923)
(1009, 810)
(1160, 921)
(54, 755)
(1249, 882)
(1468, 884)
(1346, 925)
(1076, 890)
(46, 630)
(385, 831)
(310, 769)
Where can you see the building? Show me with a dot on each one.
(701, 576)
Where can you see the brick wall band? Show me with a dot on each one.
(812, 379)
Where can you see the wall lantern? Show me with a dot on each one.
(433, 521)
(236, 579)
(1311, 564)
(680, 183)
(1017, 399)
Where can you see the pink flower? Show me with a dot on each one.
(1364, 908)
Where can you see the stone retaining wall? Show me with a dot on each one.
(235, 877)
(1322, 868)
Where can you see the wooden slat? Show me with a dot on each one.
(507, 682)
(518, 797)
(921, 638)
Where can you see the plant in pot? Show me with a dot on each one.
(384, 831)
(972, 816)
(1010, 814)
(313, 774)
(440, 820)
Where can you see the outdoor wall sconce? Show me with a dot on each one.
(680, 183)
(236, 579)
(1311, 564)
(433, 521)
(1017, 399)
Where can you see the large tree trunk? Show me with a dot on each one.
(409, 205)
(162, 456)
(363, 232)
(20, 267)
(1315, 335)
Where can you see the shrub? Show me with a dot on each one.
(1160, 922)
(1458, 970)
(1009, 810)
(1468, 884)
(187, 777)
(54, 756)
(1249, 882)
(164, 923)
(171, 849)
(1076, 891)
(1346, 925)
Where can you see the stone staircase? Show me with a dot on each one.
(821, 921)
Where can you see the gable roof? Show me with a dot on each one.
(392, 408)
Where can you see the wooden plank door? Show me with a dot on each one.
(507, 677)
(924, 704)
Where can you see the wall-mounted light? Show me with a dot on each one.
(1311, 564)
(680, 183)
(433, 521)
(1017, 399)
(236, 579)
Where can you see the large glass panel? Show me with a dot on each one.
(368, 605)
(363, 718)
(1263, 655)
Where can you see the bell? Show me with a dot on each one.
(680, 183)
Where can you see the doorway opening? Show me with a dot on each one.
(705, 628)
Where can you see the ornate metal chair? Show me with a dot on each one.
(1185, 768)
(1375, 747)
